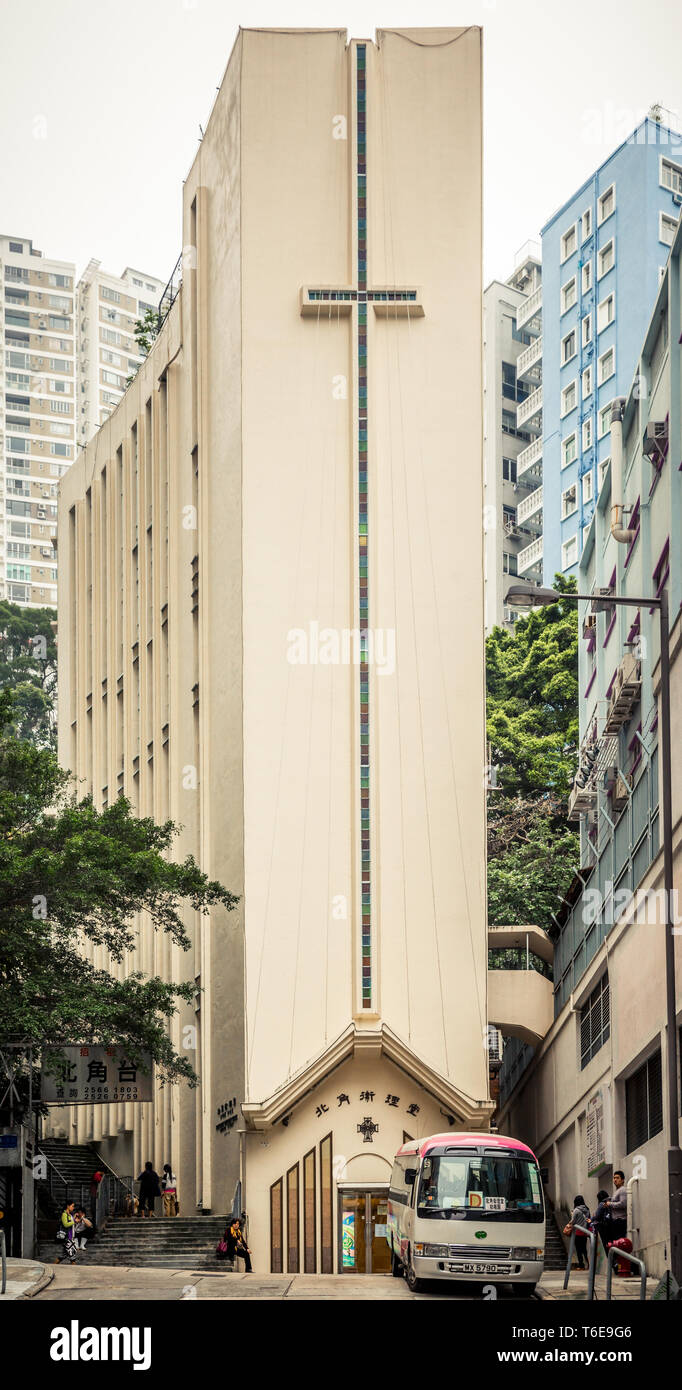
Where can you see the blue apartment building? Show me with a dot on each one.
(603, 255)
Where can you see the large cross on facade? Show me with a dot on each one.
(388, 302)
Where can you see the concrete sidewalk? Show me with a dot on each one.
(551, 1287)
(25, 1278)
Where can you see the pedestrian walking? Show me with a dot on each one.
(580, 1216)
(95, 1181)
(169, 1189)
(82, 1229)
(601, 1219)
(617, 1207)
(150, 1189)
(236, 1244)
(66, 1232)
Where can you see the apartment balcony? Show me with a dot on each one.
(529, 461)
(529, 358)
(530, 509)
(530, 558)
(529, 412)
(531, 307)
(521, 1001)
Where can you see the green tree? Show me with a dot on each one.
(28, 668)
(70, 874)
(532, 726)
(146, 332)
(532, 699)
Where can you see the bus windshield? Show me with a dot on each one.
(484, 1183)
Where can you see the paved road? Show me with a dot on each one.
(100, 1282)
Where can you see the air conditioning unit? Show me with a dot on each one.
(581, 800)
(624, 693)
(620, 794)
(45, 552)
(655, 443)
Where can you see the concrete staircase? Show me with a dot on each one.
(555, 1251)
(179, 1242)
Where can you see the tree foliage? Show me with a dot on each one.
(146, 331)
(532, 726)
(70, 875)
(28, 668)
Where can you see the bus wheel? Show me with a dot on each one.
(414, 1284)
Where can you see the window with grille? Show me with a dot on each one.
(595, 1022)
(644, 1103)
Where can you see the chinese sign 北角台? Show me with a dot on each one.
(90, 1074)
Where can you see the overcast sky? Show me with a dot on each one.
(101, 101)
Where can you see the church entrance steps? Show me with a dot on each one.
(154, 1243)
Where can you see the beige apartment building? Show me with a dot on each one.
(37, 425)
(107, 309)
(271, 630)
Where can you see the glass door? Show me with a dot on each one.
(362, 1234)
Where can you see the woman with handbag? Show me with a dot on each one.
(579, 1217)
(169, 1189)
(67, 1232)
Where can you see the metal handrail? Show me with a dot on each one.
(3, 1261)
(633, 1260)
(592, 1265)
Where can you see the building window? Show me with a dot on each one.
(606, 204)
(569, 242)
(586, 277)
(276, 1214)
(509, 563)
(292, 1221)
(667, 226)
(309, 1224)
(605, 420)
(662, 570)
(569, 552)
(112, 295)
(568, 295)
(568, 347)
(586, 224)
(587, 433)
(671, 176)
(606, 311)
(509, 381)
(587, 330)
(644, 1103)
(588, 487)
(569, 398)
(326, 1207)
(595, 1022)
(569, 501)
(606, 258)
(602, 471)
(569, 450)
(16, 248)
(587, 383)
(607, 366)
(509, 470)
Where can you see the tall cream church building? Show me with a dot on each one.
(271, 631)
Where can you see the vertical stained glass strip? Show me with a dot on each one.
(363, 530)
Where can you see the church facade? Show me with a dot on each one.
(271, 631)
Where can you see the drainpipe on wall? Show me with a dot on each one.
(632, 1228)
(619, 533)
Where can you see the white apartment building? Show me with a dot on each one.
(37, 425)
(107, 308)
(512, 357)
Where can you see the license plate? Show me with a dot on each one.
(473, 1269)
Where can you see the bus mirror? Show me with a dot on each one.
(410, 1176)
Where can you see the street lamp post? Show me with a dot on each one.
(529, 596)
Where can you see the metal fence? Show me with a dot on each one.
(170, 293)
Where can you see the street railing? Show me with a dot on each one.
(615, 1254)
(592, 1263)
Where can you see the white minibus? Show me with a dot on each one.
(467, 1206)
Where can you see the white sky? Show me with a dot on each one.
(101, 100)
